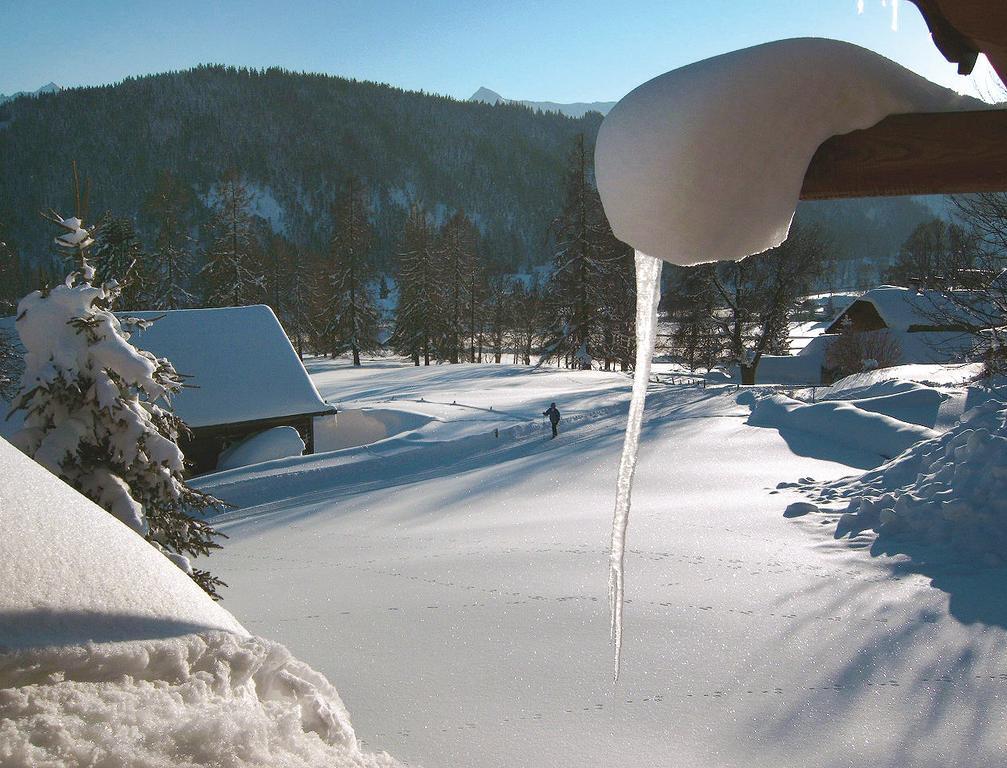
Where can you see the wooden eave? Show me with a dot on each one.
(921, 154)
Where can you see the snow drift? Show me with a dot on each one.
(275, 443)
(110, 655)
(705, 163)
(947, 491)
(857, 424)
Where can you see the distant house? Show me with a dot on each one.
(244, 377)
(927, 325)
(907, 310)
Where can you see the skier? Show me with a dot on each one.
(553, 414)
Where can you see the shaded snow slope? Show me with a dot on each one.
(949, 492)
(110, 655)
(459, 599)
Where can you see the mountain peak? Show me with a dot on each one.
(47, 88)
(578, 109)
(486, 95)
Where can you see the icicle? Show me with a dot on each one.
(648, 293)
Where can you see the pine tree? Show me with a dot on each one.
(171, 262)
(119, 256)
(96, 412)
(351, 318)
(418, 314)
(580, 262)
(456, 255)
(12, 277)
(232, 274)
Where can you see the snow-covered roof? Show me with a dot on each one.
(241, 364)
(72, 573)
(901, 308)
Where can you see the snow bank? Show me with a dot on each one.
(706, 163)
(198, 700)
(838, 421)
(275, 443)
(72, 573)
(948, 491)
(110, 655)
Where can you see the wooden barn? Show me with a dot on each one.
(243, 374)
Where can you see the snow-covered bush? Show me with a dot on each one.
(97, 412)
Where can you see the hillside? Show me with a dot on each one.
(295, 138)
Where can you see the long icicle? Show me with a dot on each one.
(648, 294)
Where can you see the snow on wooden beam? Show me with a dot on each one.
(913, 154)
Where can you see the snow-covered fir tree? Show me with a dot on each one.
(97, 411)
(350, 315)
(232, 275)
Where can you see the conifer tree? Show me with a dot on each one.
(97, 414)
(580, 262)
(119, 256)
(171, 262)
(456, 256)
(418, 314)
(232, 274)
(351, 318)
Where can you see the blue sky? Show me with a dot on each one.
(568, 50)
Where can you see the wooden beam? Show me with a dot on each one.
(913, 154)
(963, 28)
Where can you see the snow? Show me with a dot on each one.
(88, 556)
(275, 443)
(242, 365)
(454, 584)
(705, 163)
(862, 425)
(110, 655)
(946, 492)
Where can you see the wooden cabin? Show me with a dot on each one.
(242, 374)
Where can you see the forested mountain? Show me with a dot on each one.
(294, 139)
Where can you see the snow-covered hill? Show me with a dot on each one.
(453, 580)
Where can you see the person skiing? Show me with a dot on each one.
(553, 414)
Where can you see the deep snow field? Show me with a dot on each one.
(452, 583)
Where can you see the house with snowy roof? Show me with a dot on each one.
(910, 310)
(928, 327)
(243, 377)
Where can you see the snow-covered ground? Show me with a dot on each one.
(452, 582)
